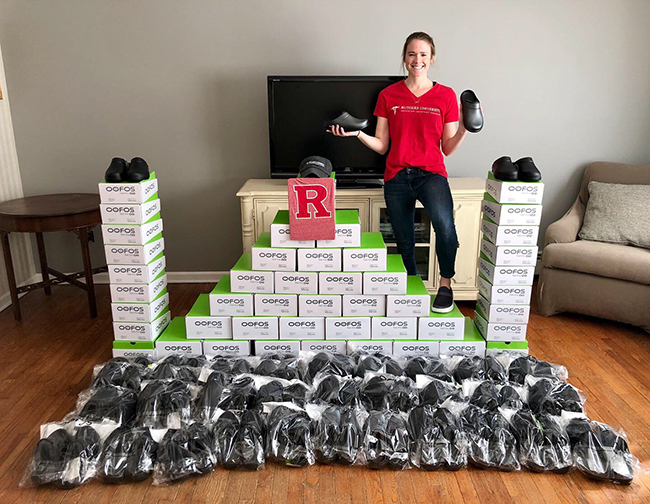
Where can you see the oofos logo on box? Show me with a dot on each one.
(120, 189)
(121, 209)
(372, 303)
(178, 348)
(278, 256)
(350, 324)
(303, 280)
(252, 278)
(229, 301)
(464, 349)
(340, 280)
(275, 347)
(398, 324)
(131, 328)
(384, 279)
(529, 189)
(511, 291)
(408, 302)
(125, 251)
(212, 324)
(366, 256)
(442, 325)
(121, 231)
(322, 256)
(283, 302)
(322, 347)
(258, 324)
(325, 303)
(303, 324)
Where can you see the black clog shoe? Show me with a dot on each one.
(472, 115)
(116, 171)
(504, 169)
(527, 170)
(347, 122)
(138, 170)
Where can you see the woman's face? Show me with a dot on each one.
(418, 58)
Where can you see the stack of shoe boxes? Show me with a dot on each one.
(134, 247)
(511, 216)
(342, 295)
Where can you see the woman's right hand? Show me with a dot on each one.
(336, 130)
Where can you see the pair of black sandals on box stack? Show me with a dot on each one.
(122, 171)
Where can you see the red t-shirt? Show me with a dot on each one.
(415, 126)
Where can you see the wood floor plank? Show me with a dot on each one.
(48, 359)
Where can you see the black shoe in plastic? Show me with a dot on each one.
(207, 402)
(436, 392)
(494, 370)
(174, 460)
(350, 439)
(429, 366)
(601, 453)
(289, 437)
(510, 398)
(527, 171)
(81, 457)
(472, 115)
(138, 170)
(327, 430)
(116, 171)
(485, 396)
(347, 122)
(114, 404)
(49, 458)
(444, 301)
(127, 455)
(504, 169)
(469, 367)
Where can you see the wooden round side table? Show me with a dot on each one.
(77, 213)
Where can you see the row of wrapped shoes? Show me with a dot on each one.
(184, 416)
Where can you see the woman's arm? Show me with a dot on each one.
(379, 143)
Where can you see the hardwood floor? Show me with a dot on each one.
(48, 358)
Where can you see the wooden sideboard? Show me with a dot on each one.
(262, 198)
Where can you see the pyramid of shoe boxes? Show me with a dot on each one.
(134, 247)
(510, 224)
(342, 295)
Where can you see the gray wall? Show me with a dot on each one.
(183, 84)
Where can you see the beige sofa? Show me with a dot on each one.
(600, 279)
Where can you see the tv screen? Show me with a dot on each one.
(298, 106)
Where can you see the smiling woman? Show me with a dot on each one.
(417, 124)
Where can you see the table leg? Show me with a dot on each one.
(11, 277)
(88, 271)
(43, 258)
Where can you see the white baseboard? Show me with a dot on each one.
(5, 300)
(177, 277)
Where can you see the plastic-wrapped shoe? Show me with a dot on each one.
(127, 455)
(48, 462)
(289, 437)
(486, 396)
(602, 453)
(81, 457)
(327, 430)
(207, 401)
(110, 404)
(469, 368)
(436, 392)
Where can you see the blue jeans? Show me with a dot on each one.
(432, 190)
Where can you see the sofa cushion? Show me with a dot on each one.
(617, 213)
(603, 259)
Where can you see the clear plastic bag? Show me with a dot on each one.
(286, 367)
(165, 404)
(491, 444)
(183, 453)
(313, 363)
(482, 393)
(66, 456)
(552, 396)
(118, 372)
(520, 366)
(386, 440)
(289, 439)
(386, 391)
(424, 365)
(191, 361)
(378, 363)
(206, 405)
(602, 453)
(434, 392)
(128, 455)
(337, 433)
(336, 390)
(107, 405)
(167, 370)
(437, 439)
(240, 439)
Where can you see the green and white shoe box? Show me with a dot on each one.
(511, 214)
(139, 293)
(508, 255)
(174, 341)
(284, 347)
(371, 255)
(134, 254)
(332, 346)
(276, 304)
(499, 331)
(134, 349)
(297, 282)
(319, 305)
(266, 258)
(132, 234)
(299, 328)
(503, 314)
(348, 328)
(442, 326)
(471, 343)
(224, 302)
(509, 235)
(504, 294)
(416, 302)
(281, 233)
(142, 331)
(140, 312)
(395, 328)
(527, 193)
(505, 275)
(129, 192)
(137, 273)
(372, 346)
(392, 281)
(338, 282)
(347, 228)
(255, 328)
(244, 279)
(355, 305)
(319, 259)
(409, 347)
(493, 347)
(130, 213)
(199, 324)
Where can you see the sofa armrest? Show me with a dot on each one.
(566, 229)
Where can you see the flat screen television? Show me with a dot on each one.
(298, 106)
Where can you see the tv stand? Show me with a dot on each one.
(359, 183)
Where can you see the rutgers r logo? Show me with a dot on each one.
(311, 198)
